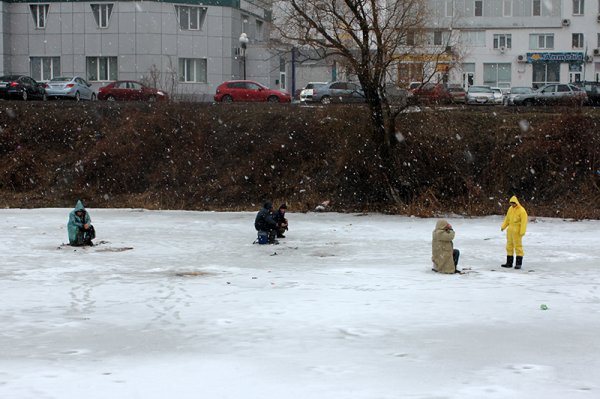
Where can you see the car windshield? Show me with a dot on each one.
(455, 89)
(521, 90)
(8, 78)
(314, 85)
(480, 89)
(61, 79)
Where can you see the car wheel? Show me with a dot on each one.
(24, 95)
(93, 97)
(273, 99)
(111, 98)
(325, 100)
(152, 99)
(528, 103)
(77, 96)
(227, 99)
(44, 97)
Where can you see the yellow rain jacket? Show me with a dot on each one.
(516, 221)
(442, 247)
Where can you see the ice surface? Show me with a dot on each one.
(346, 307)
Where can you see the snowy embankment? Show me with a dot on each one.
(346, 307)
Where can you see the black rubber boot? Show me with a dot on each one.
(509, 261)
(519, 262)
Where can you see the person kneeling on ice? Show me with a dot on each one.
(265, 224)
(80, 229)
(282, 222)
(443, 254)
(516, 221)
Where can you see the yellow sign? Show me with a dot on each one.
(423, 58)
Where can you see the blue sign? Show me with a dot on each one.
(556, 57)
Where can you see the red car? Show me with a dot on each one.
(432, 93)
(248, 90)
(130, 90)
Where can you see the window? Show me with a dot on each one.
(577, 40)
(410, 38)
(39, 13)
(192, 70)
(437, 38)
(536, 10)
(507, 8)
(259, 30)
(102, 14)
(478, 8)
(245, 23)
(449, 8)
(44, 68)
(101, 68)
(474, 38)
(541, 41)
(545, 72)
(190, 18)
(578, 7)
(502, 41)
(410, 72)
(497, 75)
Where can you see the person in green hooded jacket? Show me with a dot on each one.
(80, 229)
(516, 221)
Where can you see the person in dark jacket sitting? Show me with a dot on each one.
(264, 222)
(282, 222)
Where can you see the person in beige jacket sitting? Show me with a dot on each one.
(443, 254)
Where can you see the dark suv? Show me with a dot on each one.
(592, 89)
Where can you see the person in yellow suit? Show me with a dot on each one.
(516, 221)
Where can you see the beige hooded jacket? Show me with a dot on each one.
(441, 247)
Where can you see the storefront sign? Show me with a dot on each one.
(555, 57)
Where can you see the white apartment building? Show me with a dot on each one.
(520, 42)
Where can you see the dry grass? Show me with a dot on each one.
(233, 157)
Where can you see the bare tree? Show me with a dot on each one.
(372, 37)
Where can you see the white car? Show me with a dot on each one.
(480, 95)
(306, 94)
(498, 95)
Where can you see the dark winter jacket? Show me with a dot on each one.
(76, 223)
(264, 219)
(279, 217)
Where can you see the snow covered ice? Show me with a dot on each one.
(346, 307)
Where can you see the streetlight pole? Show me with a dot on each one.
(244, 44)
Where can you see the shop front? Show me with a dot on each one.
(546, 67)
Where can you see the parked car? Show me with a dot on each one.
(248, 91)
(551, 94)
(432, 93)
(459, 95)
(130, 90)
(592, 89)
(306, 94)
(498, 95)
(21, 87)
(515, 91)
(73, 87)
(480, 95)
(339, 92)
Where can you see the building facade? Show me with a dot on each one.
(521, 42)
(186, 47)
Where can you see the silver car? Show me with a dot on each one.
(73, 87)
(509, 99)
(480, 95)
(551, 94)
(306, 94)
(339, 92)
